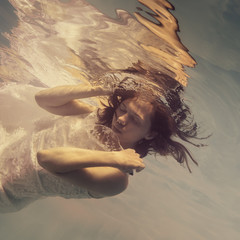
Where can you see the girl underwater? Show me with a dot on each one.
(89, 151)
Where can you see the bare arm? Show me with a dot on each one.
(64, 100)
(102, 173)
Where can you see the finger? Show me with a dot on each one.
(140, 168)
(139, 160)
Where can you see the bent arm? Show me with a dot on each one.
(64, 100)
(102, 173)
(67, 159)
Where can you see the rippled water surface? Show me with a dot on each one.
(48, 43)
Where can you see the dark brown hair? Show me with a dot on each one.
(171, 118)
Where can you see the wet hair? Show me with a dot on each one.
(171, 119)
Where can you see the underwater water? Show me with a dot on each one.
(49, 43)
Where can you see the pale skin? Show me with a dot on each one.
(102, 173)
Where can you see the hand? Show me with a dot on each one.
(128, 160)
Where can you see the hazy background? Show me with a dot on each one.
(165, 202)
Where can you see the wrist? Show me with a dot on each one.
(115, 159)
(109, 159)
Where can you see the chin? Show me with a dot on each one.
(126, 145)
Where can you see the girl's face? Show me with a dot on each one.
(132, 122)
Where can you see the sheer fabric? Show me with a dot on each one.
(22, 179)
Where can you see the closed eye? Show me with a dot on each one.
(137, 121)
(122, 108)
(134, 117)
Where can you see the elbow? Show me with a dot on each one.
(123, 184)
(41, 158)
(121, 187)
(105, 187)
(117, 186)
(39, 99)
(44, 161)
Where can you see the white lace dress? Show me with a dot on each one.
(22, 179)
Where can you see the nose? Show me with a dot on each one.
(122, 120)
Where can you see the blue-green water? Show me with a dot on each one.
(164, 201)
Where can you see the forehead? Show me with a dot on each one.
(142, 108)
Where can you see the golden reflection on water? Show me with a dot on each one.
(58, 42)
(174, 54)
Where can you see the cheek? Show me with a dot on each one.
(137, 132)
(142, 131)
